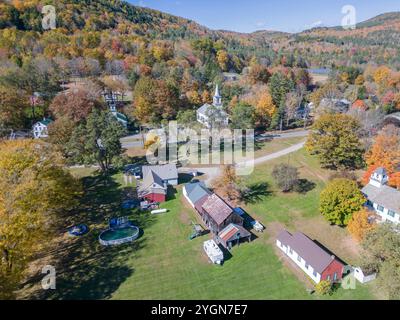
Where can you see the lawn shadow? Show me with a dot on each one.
(85, 269)
(304, 186)
(255, 192)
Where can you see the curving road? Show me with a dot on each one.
(135, 141)
(214, 172)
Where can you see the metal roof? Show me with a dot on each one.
(385, 196)
(313, 254)
(165, 172)
(196, 191)
(217, 208)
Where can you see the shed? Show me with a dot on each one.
(233, 234)
(364, 276)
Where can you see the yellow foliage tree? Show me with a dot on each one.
(265, 108)
(382, 76)
(34, 190)
(223, 60)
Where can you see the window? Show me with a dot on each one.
(391, 213)
(381, 209)
(315, 274)
(298, 258)
(335, 276)
(291, 251)
(328, 278)
(307, 265)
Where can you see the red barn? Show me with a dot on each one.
(314, 260)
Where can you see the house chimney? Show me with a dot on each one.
(333, 257)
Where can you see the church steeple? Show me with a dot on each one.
(217, 100)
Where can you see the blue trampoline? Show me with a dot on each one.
(78, 230)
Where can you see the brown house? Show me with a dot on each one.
(216, 213)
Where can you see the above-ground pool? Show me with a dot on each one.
(117, 236)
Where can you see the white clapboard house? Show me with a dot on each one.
(382, 198)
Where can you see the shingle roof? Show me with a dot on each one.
(166, 172)
(196, 191)
(386, 196)
(313, 254)
(150, 179)
(203, 109)
(217, 208)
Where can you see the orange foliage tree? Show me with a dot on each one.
(359, 225)
(385, 153)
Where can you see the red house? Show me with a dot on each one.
(315, 261)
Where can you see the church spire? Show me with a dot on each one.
(217, 97)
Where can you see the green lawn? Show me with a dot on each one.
(164, 264)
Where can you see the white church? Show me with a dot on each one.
(215, 111)
(383, 199)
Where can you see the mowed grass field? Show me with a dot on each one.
(164, 264)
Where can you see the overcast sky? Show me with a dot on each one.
(279, 15)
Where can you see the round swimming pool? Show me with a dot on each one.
(112, 237)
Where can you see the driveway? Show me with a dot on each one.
(214, 172)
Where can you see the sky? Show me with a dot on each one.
(276, 15)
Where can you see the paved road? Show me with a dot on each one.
(214, 172)
(135, 141)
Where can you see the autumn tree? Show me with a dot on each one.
(259, 73)
(340, 200)
(35, 191)
(60, 132)
(385, 153)
(360, 224)
(335, 140)
(381, 77)
(13, 105)
(265, 109)
(76, 105)
(223, 60)
(228, 184)
(324, 288)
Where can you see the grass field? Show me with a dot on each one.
(164, 264)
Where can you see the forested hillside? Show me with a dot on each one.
(168, 65)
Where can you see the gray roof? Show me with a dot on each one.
(204, 110)
(381, 171)
(313, 254)
(385, 196)
(150, 179)
(166, 172)
(197, 191)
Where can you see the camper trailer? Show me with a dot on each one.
(213, 252)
